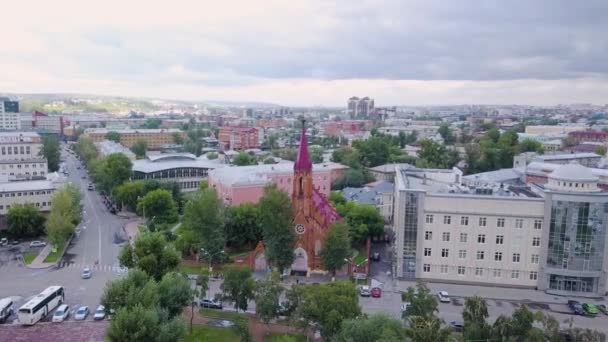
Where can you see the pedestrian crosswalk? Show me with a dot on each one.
(98, 267)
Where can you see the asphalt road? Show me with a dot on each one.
(95, 242)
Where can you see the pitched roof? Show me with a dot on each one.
(325, 209)
(303, 161)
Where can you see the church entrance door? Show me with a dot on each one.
(300, 264)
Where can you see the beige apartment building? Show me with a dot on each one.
(35, 192)
(550, 236)
(154, 138)
(20, 155)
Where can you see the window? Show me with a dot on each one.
(538, 224)
(498, 256)
(460, 270)
(428, 235)
(535, 241)
(480, 255)
(447, 219)
(426, 268)
(429, 218)
(443, 269)
(514, 274)
(500, 223)
(462, 254)
(464, 220)
(427, 252)
(482, 221)
(481, 238)
(497, 273)
(533, 275)
(463, 237)
(519, 223)
(500, 239)
(478, 271)
(516, 257)
(534, 259)
(446, 236)
(445, 252)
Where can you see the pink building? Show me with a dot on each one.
(245, 184)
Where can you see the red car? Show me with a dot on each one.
(376, 292)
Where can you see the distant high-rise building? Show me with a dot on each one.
(360, 108)
(11, 106)
(9, 114)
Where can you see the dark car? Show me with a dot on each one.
(576, 307)
(375, 256)
(603, 309)
(457, 326)
(210, 303)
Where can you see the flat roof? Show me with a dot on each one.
(259, 174)
(27, 185)
(162, 164)
(130, 130)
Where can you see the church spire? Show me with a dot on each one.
(303, 162)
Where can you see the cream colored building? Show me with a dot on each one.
(553, 129)
(20, 155)
(547, 236)
(154, 138)
(35, 192)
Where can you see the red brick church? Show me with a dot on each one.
(313, 215)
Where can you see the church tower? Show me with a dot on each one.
(302, 177)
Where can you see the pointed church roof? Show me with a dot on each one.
(303, 162)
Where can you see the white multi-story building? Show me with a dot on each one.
(9, 121)
(20, 155)
(551, 237)
(36, 192)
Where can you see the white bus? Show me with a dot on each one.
(41, 305)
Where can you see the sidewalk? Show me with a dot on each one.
(132, 230)
(39, 263)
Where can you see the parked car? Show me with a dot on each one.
(86, 273)
(61, 314)
(210, 303)
(15, 242)
(365, 291)
(590, 309)
(91, 187)
(37, 243)
(443, 297)
(375, 256)
(3, 242)
(603, 308)
(82, 313)
(376, 292)
(576, 307)
(100, 313)
(457, 326)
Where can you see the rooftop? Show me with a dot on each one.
(168, 161)
(259, 174)
(132, 131)
(29, 185)
(108, 147)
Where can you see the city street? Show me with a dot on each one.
(501, 301)
(96, 241)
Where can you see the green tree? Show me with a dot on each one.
(50, 151)
(174, 293)
(135, 289)
(435, 155)
(152, 254)
(422, 302)
(316, 154)
(113, 136)
(336, 198)
(25, 220)
(601, 150)
(238, 286)
(139, 148)
(204, 184)
(427, 329)
(241, 328)
(178, 138)
(127, 195)
(242, 226)
(244, 159)
(328, 305)
(337, 248)
(529, 145)
(138, 324)
(116, 169)
(267, 296)
(371, 329)
(158, 204)
(153, 123)
(204, 215)
(86, 150)
(475, 314)
(364, 221)
(446, 134)
(276, 219)
(64, 216)
(211, 155)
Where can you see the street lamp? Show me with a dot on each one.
(210, 257)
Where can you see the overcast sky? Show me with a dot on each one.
(316, 52)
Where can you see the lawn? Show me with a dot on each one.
(190, 269)
(206, 333)
(227, 315)
(29, 257)
(53, 256)
(285, 338)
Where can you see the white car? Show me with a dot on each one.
(86, 273)
(365, 291)
(37, 243)
(404, 307)
(100, 313)
(82, 313)
(61, 314)
(443, 297)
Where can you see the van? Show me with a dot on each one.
(6, 309)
